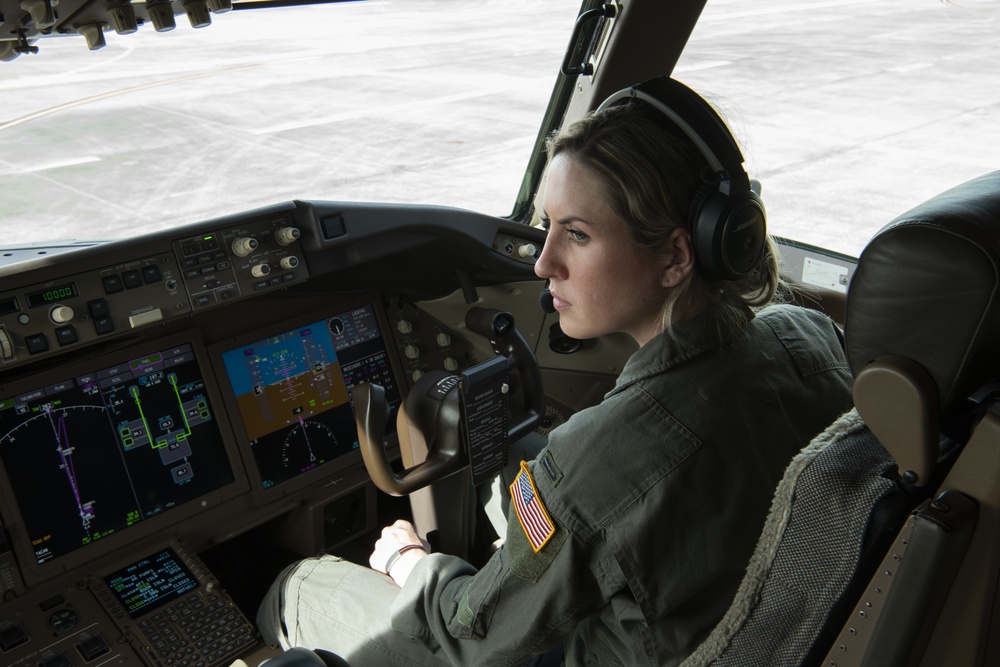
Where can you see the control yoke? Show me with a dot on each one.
(460, 420)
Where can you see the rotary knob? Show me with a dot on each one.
(6, 345)
(244, 245)
(287, 235)
(260, 270)
(60, 314)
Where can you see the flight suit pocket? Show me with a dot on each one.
(477, 602)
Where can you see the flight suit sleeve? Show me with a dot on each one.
(524, 601)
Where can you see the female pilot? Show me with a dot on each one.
(628, 533)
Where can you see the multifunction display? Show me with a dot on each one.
(106, 448)
(293, 390)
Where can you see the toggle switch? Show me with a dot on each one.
(94, 34)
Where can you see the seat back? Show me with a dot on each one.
(923, 314)
(818, 530)
(923, 335)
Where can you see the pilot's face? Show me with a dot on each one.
(601, 282)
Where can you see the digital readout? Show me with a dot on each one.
(50, 295)
(151, 582)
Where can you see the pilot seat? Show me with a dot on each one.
(882, 546)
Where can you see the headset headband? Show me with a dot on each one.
(711, 136)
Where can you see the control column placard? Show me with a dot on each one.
(484, 395)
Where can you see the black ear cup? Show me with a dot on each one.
(698, 201)
(727, 218)
(728, 233)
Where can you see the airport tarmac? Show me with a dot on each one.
(850, 111)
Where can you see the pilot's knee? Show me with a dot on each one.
(271, 621)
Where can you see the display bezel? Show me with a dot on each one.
(331, 470)
(34, 572)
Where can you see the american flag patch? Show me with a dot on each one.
(530, 511)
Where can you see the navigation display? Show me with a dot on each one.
(103, 446)
(292, 390)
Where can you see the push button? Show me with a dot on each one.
(132, 279)
(103, 325)
(36, 343)
(112, 284)
(11, 636)
(151, 274)
(66, 335)
(92, 647)
(98, 308)
(57, 660)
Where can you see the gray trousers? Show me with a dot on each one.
(326, 602)
(329, 603)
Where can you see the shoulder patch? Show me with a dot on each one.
(531, 513)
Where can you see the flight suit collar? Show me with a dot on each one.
(685, 340)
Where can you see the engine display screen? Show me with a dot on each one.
(293, 389)
(109, 446)
(151, 582)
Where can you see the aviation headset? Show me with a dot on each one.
(728, 226)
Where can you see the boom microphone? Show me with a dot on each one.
(545, 301)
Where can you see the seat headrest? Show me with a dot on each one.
(927, 288)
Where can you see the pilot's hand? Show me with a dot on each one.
(398, 550)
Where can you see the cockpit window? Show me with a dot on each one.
(417, 101)
(851, 112)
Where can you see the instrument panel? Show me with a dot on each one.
(204, 270)
(163, 395)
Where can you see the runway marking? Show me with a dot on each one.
(783, 9)
(433, 102)
(702, 66)
(115, 93)
(72, 162)
(909, 68)
(129, 48)
(83, 194)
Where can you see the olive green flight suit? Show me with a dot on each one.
(651, 505)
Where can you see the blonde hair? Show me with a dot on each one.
(652, 174)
